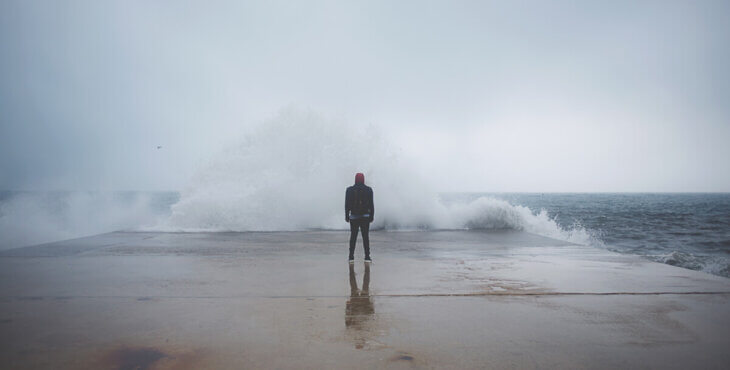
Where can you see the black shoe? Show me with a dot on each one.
(368, 260)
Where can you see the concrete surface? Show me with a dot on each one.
(446, 299)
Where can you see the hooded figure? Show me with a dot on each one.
(359, 212)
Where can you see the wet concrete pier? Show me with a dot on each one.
(448, 299)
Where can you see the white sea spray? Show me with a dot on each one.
(28, 218)
(291, 172)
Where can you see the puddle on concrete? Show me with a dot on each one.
(402, 356)
(141, 358)
(133, 358)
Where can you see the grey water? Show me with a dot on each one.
(689, 230)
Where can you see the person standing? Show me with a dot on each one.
(359, 212)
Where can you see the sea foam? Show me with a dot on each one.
(291, 172)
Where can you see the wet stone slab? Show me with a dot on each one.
(446, 299)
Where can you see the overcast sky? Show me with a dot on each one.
(486, 96)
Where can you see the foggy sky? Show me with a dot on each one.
(483, 96)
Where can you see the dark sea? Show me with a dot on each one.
(688, 230)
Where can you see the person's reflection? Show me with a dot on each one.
(359, 308)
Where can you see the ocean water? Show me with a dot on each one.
(690, 230)
(685, 230)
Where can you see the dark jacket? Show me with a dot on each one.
(359, 202)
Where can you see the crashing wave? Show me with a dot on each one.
(290, 174)
(711, 264)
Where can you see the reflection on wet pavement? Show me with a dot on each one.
(456, 299)
(359, 309)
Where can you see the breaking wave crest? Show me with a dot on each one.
(491, 213)
(715, 265)
(291, 173)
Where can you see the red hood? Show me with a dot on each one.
(359, 178)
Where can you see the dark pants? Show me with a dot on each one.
(364, 225)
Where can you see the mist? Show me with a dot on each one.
(483, 96)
